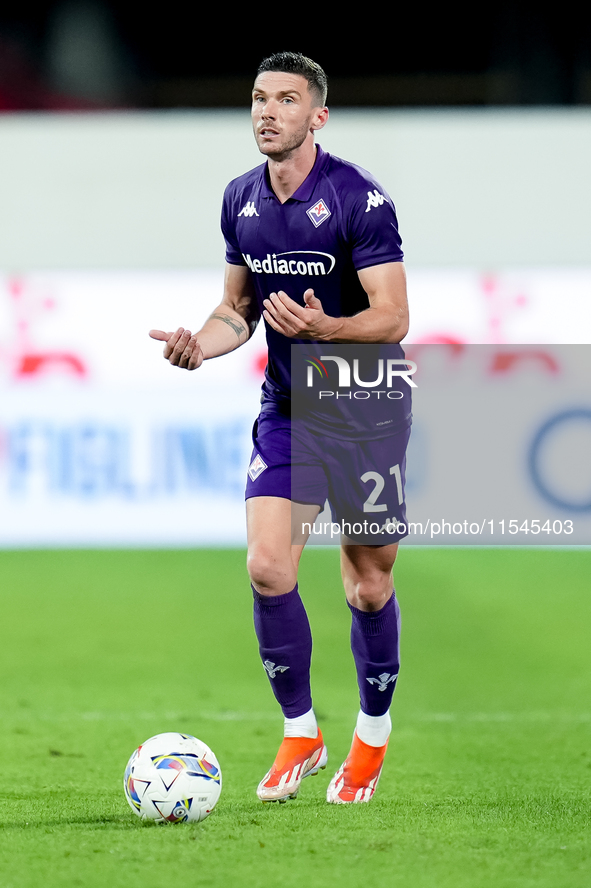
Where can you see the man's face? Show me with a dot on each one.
(284, 113)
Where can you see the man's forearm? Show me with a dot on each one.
(224, 331)
(376, 324)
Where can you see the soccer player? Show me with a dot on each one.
(312, 246)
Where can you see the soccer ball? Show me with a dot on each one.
(172, 778)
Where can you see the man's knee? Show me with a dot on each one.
(370, 594)
(367, 578)
(269, 573)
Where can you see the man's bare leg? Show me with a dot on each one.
(367, 574)
(273, 552)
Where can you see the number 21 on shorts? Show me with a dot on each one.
(371, 503)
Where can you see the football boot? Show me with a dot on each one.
(358, 776)
(298, 757)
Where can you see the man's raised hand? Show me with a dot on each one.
(291, 319)
(181, 349)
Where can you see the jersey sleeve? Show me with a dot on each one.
(373, 228)
(233, 254)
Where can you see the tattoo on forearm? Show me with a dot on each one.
(236, 326)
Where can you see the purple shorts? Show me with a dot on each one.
(363, 481)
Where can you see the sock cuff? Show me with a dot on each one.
(274, 600)
(304, 725)
(373, 621)
(374, 730)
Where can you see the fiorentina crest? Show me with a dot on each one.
(257, 467)
(318, 213)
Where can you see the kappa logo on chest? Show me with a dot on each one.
(248, 209)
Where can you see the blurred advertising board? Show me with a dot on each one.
(102, 442)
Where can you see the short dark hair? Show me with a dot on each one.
(297, 63)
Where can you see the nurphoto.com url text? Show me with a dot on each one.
(487, 527)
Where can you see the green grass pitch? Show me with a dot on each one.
(488, 772)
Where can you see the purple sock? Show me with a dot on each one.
(285, 642)
(375, 646)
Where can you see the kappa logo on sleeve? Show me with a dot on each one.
(257, 467)
(374, 200)
(318, 213)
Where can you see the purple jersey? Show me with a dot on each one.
(339, 221)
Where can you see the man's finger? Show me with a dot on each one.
(176, 345)
(286, 304)
(271, 308)
(196, 359)
(160, 335)
(285, 308)
(284, 321)
(275, 323)
(188, 351)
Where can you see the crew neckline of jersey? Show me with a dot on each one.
(306, 189)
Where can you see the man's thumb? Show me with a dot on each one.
(311, 300)
(160, 335)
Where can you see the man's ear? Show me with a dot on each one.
(320, 118)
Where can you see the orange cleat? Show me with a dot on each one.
(358, 776)
(298, 757)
